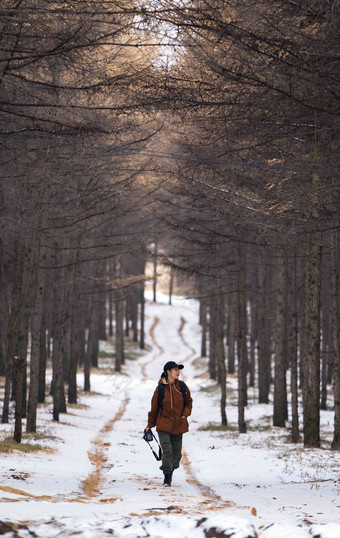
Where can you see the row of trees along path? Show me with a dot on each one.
(200, 134)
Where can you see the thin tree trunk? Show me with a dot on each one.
(110, 314)
(42, 362)
(72, 396)
(102, 317)
(212, 338)
(263, 357)
(241, 329)
(293, 343)
(91, 357)
(324, 357)
(87, 360)
(3, 323)
(31, 425)
(335, 280)
(231, 332)
(119, 304)
(301, 329)
(142, 317)
(312, 362)
(203, 322)
(22, 346)
(19, 368)
(155, 271)
(280, 394)
(222, 367)
(127, 313)
(171, 285)
(134, 313)
(58, 390)
(220, 355)
(253, 333)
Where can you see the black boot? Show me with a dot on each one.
(167, 479)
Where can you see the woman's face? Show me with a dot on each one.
(173, 374)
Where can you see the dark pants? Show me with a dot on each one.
(171, 451)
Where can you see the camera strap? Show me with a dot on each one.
(145, 437)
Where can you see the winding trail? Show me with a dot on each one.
(118, 478)
(205, 498)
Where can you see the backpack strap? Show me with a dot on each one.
(182, 387)
(161, 390)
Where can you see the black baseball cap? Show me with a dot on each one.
(172, 364)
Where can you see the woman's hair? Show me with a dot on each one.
(165, 375)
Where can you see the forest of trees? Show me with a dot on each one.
(201, 134)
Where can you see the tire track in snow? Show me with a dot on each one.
(27, 496)
(210, 497)
(98, 455)
(160, 351)
(180, 332)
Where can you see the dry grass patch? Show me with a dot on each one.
(28, 443)
(8, 445)
(77, 406)
(214, 427)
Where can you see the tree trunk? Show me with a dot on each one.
(335, 280)
(119, 304)
(171, 285)
(280, 394)
(241, 330)
(231, 332)
(102, 317)
(42, 362)
(203, 322)
(75, 328)
(324, 356)
(212, 338)
(134, 314)
(253, 335)
(293, 342)
(22, 346)
(127, 314)
(35, 340)
(58, 391)
(154, 287)
(220, 355)
(91, 357)
(312, 362)
(3, 326)
(19, 368)
(110, 314)
(142, 318)
(263, 355)
(87, 359)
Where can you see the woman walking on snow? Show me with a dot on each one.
(171, 405)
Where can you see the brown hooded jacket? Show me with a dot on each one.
(170, 418)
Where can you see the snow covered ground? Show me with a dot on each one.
(98, 477)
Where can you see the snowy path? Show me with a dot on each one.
(102, 479)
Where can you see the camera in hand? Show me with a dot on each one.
(148, 435)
